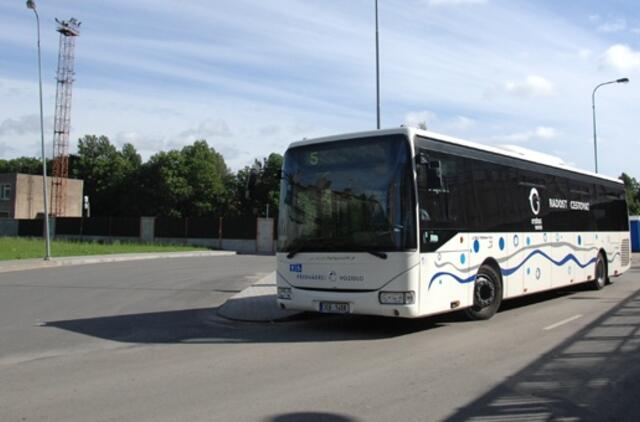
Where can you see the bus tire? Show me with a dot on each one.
(600, 273)
(487, 294)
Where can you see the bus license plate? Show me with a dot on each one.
(334, 308)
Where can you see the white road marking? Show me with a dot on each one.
(564, 321)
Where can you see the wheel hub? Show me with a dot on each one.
(485, 292)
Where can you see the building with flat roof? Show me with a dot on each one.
(21, 196)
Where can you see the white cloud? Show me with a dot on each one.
(5, 149)
(617, 25)
(269, 130)
(622, 58)
(532, 86)
(541, 133)
(432, 121)
(461, 123)
(584, 53)
(29, 123)
(419, 118)
(454, 2)
(207, 129)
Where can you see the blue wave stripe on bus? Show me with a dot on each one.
(568, 257)
(458, 279)
(509, 271)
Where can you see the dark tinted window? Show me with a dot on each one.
(353, 195)
(487, 193)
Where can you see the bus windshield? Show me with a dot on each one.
(348, 196)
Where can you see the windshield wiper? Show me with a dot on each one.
(379, 254)
(293, 253)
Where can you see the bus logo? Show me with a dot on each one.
(295, 268)
(534, 201)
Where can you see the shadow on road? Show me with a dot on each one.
(310, 417)
(205, 326)
(593, 375)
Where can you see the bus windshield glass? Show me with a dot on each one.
(348, 196)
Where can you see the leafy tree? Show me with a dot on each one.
(187, 183)
(632, 190)
(266, 190)
(109, 175)
(206, 173)
(164, 185)
(26, 165)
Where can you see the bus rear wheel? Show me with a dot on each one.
(487, 294)
(600, 275)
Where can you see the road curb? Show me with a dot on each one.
(30, 264)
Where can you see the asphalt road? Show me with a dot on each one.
(142, 341)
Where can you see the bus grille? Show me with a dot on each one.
(624, 253)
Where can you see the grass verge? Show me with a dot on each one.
(25, 248)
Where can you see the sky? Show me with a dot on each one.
(251, 77)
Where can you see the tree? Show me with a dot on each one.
(164, 185)
(632, 190)
(206, 173)
(26, 165)
(187, 183)
(266, 190)
(110, 176)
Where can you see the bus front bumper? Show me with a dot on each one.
(341, 302)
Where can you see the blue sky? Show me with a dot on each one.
(253, 76)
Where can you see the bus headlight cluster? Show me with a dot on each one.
(397, 298)
(284, 293)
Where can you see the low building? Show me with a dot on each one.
(21, 196)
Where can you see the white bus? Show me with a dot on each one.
(410, 223)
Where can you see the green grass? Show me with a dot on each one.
(24, 248)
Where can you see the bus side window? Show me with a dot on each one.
(443, 186)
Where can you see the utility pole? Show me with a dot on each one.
(377, 70)
(47, 254)
(593, 108)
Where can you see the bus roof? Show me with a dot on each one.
(521, 154)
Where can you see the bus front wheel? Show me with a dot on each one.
(487, 294)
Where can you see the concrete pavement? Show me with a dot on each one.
(144, 341)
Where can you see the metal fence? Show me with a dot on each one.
(210, 227)
(98, 226)
(237, 227)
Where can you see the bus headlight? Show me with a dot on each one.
(397, 298)
(284, 293)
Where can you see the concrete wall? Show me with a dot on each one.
(28, 196)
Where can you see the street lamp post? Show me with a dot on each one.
(32, 5)
(377, 71)
(593, 107)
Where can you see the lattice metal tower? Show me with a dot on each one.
(68, 30)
